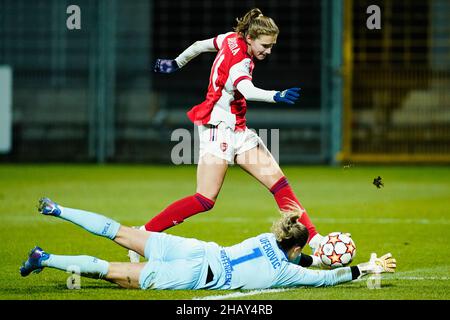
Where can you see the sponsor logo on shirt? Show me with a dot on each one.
(247, 65)
(223, 146)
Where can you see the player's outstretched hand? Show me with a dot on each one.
(287, 96)
(385, 263)
(165, 66)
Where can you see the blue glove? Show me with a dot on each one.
(165, 66)
(287, 96)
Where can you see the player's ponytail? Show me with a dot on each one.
(288, 231)
(255, 24)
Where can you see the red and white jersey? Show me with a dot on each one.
(223, 101)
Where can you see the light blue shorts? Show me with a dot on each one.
(173, 262)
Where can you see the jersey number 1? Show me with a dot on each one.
(255, 254)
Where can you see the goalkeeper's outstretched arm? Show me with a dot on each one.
(385, 263)
(340, 275)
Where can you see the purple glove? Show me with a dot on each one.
(165, 66)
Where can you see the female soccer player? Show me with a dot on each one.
(182, 263)
(224, 136)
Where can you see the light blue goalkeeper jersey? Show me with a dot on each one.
(255, 263)
(258, 263)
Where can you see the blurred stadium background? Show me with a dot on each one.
(89, 95)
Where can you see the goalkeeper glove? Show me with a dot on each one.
(378, 265)
(287, 96)
(165, 66)
(314, 243)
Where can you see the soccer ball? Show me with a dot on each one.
(336, 250)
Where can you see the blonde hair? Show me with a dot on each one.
(255, 24)
(288, 231)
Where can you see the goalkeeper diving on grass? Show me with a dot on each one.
(268, 260)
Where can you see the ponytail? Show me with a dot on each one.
(288, 231)
(255, 24)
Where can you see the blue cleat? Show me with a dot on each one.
(33, 264)
(48, 207)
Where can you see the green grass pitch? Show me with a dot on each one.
(408, 217)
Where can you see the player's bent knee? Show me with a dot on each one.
(125, 237)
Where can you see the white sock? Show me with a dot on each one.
(87, 266)
(93, 222)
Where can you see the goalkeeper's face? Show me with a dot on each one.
(261, 47)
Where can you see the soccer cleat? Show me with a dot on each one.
(133, 255)
(33, 264)
(48, 207)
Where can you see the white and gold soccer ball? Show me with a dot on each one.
(336, 250)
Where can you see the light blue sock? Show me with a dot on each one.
(92, 222)
(86, 266)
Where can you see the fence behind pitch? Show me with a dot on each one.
(397, 105)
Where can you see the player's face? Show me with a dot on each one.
(261, 46)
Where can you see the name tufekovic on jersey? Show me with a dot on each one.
(270, 252)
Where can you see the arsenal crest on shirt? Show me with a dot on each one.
(223, 146)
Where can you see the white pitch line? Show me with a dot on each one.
(406, 278)
(331, 220)
(382, 221)
(420, 278)
(240, 294)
